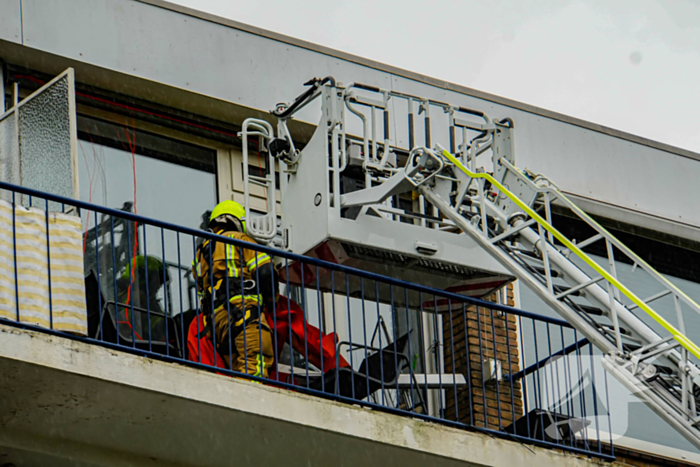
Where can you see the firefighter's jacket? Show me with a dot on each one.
(233, 273)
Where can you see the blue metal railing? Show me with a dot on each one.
(336, 332)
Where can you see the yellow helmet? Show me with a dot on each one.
(230, 208)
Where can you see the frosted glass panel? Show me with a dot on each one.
(9, 154)
(45, 140)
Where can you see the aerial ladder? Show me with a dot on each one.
(507, 211)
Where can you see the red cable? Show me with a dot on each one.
(131, 327)
(132, 147)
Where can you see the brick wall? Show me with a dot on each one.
(479, 404)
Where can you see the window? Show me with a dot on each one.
(125, 168)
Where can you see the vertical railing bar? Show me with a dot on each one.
(336, 389)
(381, 350)
(481, 362)
(567, 382)
(539, 382)
(99, 281)
(132, 266)
(582, 393)
(572, 397)
(14, 248)
(261, 356)
(114, 278)
(496, 360)
(394, 323)
(197, 301)
(352, 364)
(48, 262)
(468, 357)
(212, 302)
(166, 311)
(244, 307)
(275, 289)
(302, 289)
(557, 361)
(545, 390)
(423, 352)
(523, 384)
(230, 267)
(510, 366)
(289, 320)
(183, 337)
(546, 379)
(607, 403)
(438, 362)
(410, 353)
(454, 359)
(364, 333)
(554, 364)
(321, 327)
(595, 400)
(148, 295)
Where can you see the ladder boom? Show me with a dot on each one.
(376, 173)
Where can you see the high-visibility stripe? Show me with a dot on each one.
(243, 298)
(197, 267)
(255, 298)
(259, 260)
(233, 271)
(260, 367)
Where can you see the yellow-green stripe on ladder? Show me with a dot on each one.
(677, 335)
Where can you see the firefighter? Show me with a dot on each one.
(244, 284)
